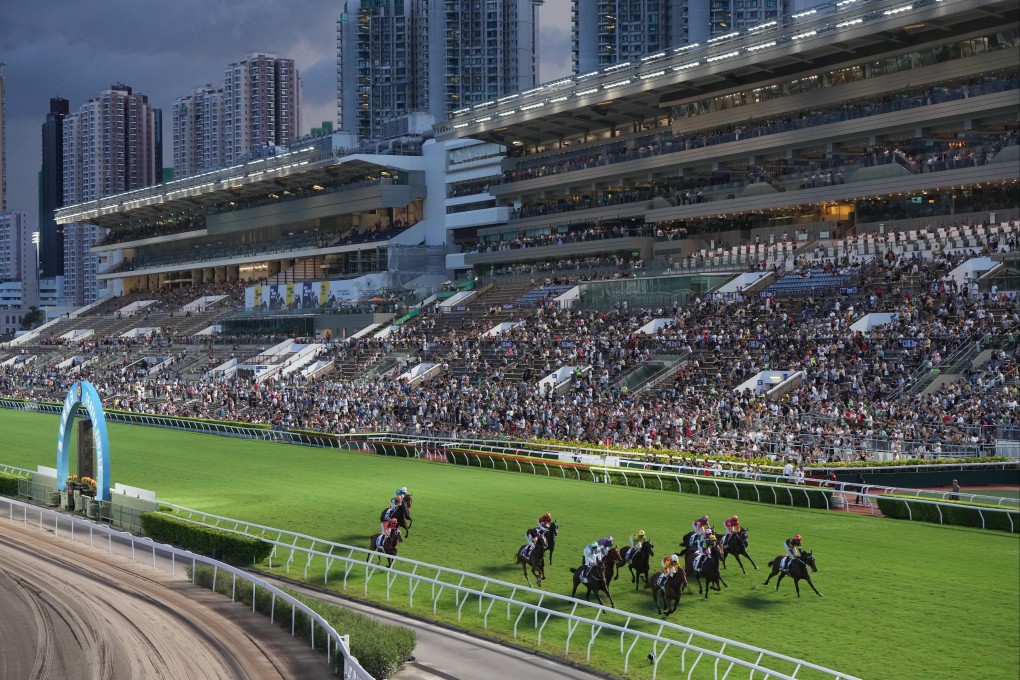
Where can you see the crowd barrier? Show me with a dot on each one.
(159, 556)
(724, 483)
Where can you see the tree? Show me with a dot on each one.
(34, 317)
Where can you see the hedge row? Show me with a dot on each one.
(378, 647)
(8, 485)
(781, 494)
(897, 508)
(232, 548)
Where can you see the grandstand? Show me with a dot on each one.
(608, 261)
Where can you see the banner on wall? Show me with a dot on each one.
(308, 297)
(312, 294)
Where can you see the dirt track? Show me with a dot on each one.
(68, 611)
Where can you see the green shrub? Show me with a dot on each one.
(8, 485)
(947, 513)
(233, 548)
(378, 647)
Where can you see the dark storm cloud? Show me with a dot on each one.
(75, 49)
(554, 52)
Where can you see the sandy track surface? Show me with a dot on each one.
(68, 611)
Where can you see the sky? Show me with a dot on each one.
(75, 50)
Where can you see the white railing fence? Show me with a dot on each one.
(758, 487)
(160, 556)
(544, 613)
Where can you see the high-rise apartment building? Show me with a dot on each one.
(260, 105)
(198, 143)
(375, 57)
(3, 144)
(51, 189)
(18, 258)
(111, 145)
(608, 32)
(396, 57)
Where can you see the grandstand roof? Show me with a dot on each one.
(630, 93)
(236, 183)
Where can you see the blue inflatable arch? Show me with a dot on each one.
(84, 393)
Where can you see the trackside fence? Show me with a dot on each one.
(942, 507)
(985, 512)
(203, 571)
(518, 611)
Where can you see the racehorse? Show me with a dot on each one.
(536, 560)
(736, 545)
(670, 587)
(597, 581)
(550, 538)
(797, 569)
(612, 560)
(709, 568)
(402, 512)
(638, 561)
(389, 546)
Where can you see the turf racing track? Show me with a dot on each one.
(882, 578)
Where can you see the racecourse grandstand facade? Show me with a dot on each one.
(861, 115)
(799, 241)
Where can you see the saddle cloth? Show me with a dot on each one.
(784, 564)
(661, 579)
(524, 552)
(380, 541)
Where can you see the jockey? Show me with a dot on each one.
(389, 527)
(592, 554)
(532, 534)
(704, 549)
(605, 545)
(702, 528)
(398, 498)
(732, 525)
(793, 546)
(670, 564)
(637, 539)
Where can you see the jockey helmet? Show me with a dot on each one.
(703, 518)
(674, 558)
(797, 538)
(641, 532)
(734, 518)
(546, 518)
(402, 491)
(394, 522)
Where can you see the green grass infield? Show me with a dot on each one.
(902, 600)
